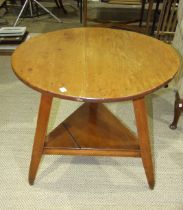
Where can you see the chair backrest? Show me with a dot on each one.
(167, 20)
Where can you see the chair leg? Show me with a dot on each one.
(56, 2)
(85, 12)
(178, 108)
(80, 2)
(59, 4)
(142, 12)
(155, 17)
(149, 14)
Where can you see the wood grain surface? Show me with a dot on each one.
(95, 64)
(92, 130)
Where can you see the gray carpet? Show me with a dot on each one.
(68, 182)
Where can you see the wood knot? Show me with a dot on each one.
(29, 69)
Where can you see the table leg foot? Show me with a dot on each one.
(31, 181)
(144, 142)
(41, 130)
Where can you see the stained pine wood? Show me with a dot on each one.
(144, 141)
(41, 129)
(95, 127)
(92, 130)
(92, 152)
(60, 138)
(95, 64)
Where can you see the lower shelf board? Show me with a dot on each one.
(91, 152)
(92, 130)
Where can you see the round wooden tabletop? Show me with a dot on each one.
(95, 64)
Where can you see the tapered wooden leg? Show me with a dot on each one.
(144, 141)
(42, 123)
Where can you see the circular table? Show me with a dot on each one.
(94, 65)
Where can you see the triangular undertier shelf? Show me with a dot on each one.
(92, 130)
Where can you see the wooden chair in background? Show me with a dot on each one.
(167, 21)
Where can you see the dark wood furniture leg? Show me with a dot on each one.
(59, 4)
(142, 12)
(80, 2)
(41, 130)
(178, 108)
(85, 13)
(143, 137)
(149, 14)
(56, 2)
(155, 16)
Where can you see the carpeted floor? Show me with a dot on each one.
(68, 182)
